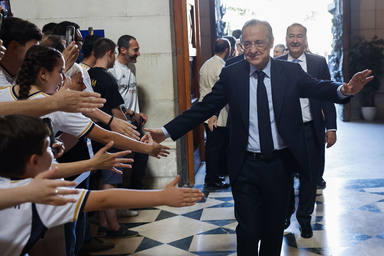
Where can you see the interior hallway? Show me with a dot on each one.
(348, 218)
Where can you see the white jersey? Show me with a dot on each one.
(85, 66)
(126, 82)
(6, 79)
(86, 78)
(75, 124)
(22, 225)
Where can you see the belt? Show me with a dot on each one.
(260, 156)
(308, 123)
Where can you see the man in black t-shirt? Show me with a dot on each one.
(105, 84)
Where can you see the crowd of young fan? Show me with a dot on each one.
(81, 122)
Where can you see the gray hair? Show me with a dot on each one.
(297, 25)
(281, 46)
(73, 70)
(254, 22)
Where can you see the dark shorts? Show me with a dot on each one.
(110, 177)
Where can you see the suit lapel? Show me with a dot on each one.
(278, 88)
(310, 65)
(244, 92)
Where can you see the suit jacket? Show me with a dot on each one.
(234, 59)
(317, 68)
(289, 83)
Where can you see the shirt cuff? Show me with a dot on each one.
(330, 130)
(165, 132)
(340, 94)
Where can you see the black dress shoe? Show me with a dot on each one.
(306, 231)
(287, 222)
(217, 185)
(322, 184)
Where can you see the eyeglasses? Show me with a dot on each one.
(259, 44)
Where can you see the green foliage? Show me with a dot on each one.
(367, 55)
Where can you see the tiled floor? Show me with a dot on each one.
(347, 221)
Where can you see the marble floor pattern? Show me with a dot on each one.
(347, 220)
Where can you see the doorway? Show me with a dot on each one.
(313, 14)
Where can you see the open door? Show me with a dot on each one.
(188, 62)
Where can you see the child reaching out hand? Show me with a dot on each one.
(24, 153)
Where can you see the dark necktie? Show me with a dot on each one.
(264, 121)
(296, 61)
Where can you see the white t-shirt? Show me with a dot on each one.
(209, 74)
(6, 79)
(126, 81)
(21, 225)
(86, 78)
(75, 124)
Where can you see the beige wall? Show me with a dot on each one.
(151, 23)
(367, 20)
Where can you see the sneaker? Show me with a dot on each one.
(127, 213)
(123, 231)
(96, 245)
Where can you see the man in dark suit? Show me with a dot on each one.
(319, 120)
(265, 133)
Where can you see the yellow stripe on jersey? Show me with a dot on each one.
(85, 66)
(5, 86)
(78, 205)
(86, 129)
(12, 94)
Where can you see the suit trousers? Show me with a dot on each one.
(216, 153)
(308, 180)
(322, 165)
(260, 194)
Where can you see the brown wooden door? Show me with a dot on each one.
(188, 62)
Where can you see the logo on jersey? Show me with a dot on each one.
(93, 82)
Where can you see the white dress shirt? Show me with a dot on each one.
(253, 138)
(304, 102)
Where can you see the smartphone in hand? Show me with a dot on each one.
(69, 35)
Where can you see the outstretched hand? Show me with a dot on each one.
(357, 83)
(125, 128)
(157, 134)
(73, 101)
(157, 150)
(42, 190)
(109, 161)
(179, 197)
